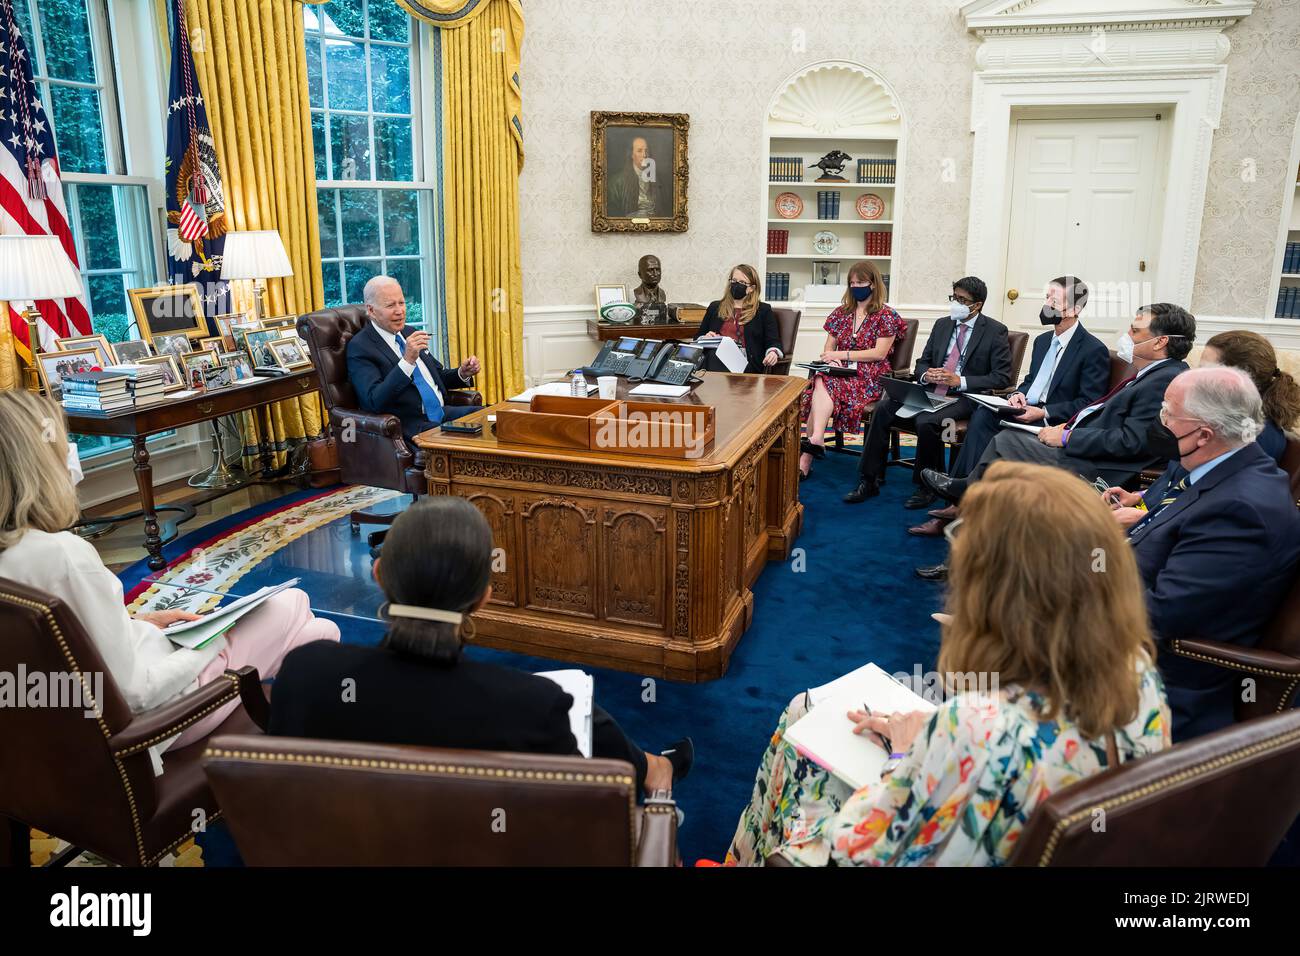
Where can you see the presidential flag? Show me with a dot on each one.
(31, 193)
(196, 214)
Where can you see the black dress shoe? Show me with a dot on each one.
(950, 489)
(864, 490)
(938, 572)
(921, 499)
(808, 448)
(682, 756)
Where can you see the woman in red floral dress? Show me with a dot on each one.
(859, 333)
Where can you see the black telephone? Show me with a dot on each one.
(675, 363)
(615, 356)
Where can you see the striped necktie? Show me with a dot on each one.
(1170, 496)
(1098, 403)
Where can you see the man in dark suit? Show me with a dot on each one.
(1217, 538)
(1108, 438)
(1070, 367)
(966, 352)
(390, 367)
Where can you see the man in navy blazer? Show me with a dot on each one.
(390, 367)
(1218, 541)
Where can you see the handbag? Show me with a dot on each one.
(323, 462)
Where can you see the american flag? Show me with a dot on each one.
(31, 193)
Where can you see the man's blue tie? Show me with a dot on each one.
(1038, 387)
(433, 409)
(1170, 496)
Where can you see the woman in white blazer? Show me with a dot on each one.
(37, 501)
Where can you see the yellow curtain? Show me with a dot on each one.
(252, 66)
(476, 52)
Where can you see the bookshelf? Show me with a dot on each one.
(831, 106)
(1288, 292)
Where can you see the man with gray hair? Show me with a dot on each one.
(1217, 537)
(391, 369)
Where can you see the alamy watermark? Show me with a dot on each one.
(59, 689)
(670, 428)
(935, 687)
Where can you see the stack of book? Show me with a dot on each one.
(876, 170)
(1288, 302)
(785, 169)
(777, 288)
(144, 382)
(778, 241)
(828, 204)
(878, 243)
(95, 392)
(1291, 259)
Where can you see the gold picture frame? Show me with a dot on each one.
(628, 191)
(224, 323)
(214, 343)
(48, 362)
(168, 310)
(303, 359)
(98, 342)
(177, 382)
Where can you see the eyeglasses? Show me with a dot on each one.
(966, 302)
(950, 532)
(1166, 418)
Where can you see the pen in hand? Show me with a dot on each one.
(889, 747)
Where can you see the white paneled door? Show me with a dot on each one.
(1084, 201)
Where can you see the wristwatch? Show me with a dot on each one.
(893, 761)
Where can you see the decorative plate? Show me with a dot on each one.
(870, 206)
(789, 206)
(618, 313)
(825, 242)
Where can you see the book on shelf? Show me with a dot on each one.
(778, 241)
(876, 170)
(877, 243)
(1291, 258)
(1288, 302)
(785, 169)
(828, 204)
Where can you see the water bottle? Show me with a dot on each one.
(578, 388)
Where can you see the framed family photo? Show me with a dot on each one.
(639, 172)
(52, 366)
(126, 353)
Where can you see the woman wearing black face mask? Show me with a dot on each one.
(741, 317)
(859, 334)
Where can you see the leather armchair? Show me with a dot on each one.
(1156, 807)
(787, 324)
(1274, 662)
(89, 779)
(294, 802)
(377, 455)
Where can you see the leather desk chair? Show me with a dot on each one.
(900, 360)
(1274, 662)
(1018, 341)
(89, 780)
(378, 455)
(1156, 806)
(294, 802)
(787, 324)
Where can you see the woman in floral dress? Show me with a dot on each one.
(1063, 662)
(859, 333)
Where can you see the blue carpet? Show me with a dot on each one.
(854, 600)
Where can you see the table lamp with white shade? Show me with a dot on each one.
(35, 267)
(258, 255)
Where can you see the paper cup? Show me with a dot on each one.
(608, 386)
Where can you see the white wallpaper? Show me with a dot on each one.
(721, 60)
(1260, 106)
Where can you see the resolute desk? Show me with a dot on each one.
(630, 562)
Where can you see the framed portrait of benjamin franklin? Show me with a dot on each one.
(638, 172)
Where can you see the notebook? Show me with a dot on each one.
(195, 634)
(581, 686)
(825, 734)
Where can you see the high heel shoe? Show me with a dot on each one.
(808, 448)
(682, 756)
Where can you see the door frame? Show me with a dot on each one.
(1158, 185)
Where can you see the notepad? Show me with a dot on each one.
(563, 389)
(992, 401)
(581, 686)
(825, 734)
(660, 391)
(1032, 429)
(194, 634)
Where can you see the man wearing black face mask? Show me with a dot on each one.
(1109, 438)
(1217, 538)
(967, 352)
(1069, 367)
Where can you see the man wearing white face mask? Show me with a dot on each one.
(1109, 438)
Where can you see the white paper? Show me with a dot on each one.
(710, 343)
(196, 633)
(992, 401)
(825, 734)
(660, 391)
(731, 356)
(550, 388)
(1032, 429)
(581, 686)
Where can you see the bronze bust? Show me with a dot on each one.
(648, 292)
